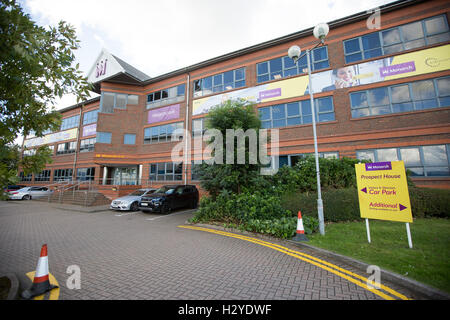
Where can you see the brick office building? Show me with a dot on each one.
(394, 103)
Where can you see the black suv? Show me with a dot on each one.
(169, 197)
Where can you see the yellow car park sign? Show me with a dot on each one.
(383, 193)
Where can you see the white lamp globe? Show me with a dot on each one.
(294, 52)
(321, 30)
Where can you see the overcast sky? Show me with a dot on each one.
(159, 36)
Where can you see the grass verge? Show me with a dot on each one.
(428, 262)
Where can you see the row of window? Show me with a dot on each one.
(83, 174)
(418, 95)
(111, 100)
(295, 113)
(220, 82)
(166, 96)
(284, 66)
(428, 161)
(408, 36)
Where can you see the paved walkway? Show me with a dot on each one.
(134, 255)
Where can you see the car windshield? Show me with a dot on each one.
(137, 193)
(166, 190)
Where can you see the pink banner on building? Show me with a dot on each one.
(90, 130)
(164, 114)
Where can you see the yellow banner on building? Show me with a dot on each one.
(383, 191)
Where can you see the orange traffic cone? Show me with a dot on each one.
(300, 234)
(41, 283)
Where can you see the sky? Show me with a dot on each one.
(160, 36)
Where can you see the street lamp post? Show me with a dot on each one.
(320, 32)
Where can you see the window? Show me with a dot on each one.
(129, 138)
(90, 117)
(166, 96)
(408, 36)
(66, 148)
(291, 160)
(62, 175)
(284, 66)
(110, 101)
(86, 174)
(295, 113)
(69, 123)
(23, 177)
(103, 137)
(198, 127)
(428, 161)
(87, 145)
(161, 133)
(29, 152)
(166, 171)
(44, 175)
(220, 82)
(418, 95)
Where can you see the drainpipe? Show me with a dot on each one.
(80, 121)
(186, 151)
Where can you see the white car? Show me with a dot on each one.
(29, 193)
(131, 201)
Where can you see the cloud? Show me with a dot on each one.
(162, 36)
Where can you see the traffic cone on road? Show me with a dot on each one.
(300, 234)
(41, 283)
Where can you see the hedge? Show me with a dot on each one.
(343, 204)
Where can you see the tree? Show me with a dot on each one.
(226, 177)
(36, 67)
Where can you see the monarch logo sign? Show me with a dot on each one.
(383, 193)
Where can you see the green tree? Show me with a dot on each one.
(36, 67)
(231, 178)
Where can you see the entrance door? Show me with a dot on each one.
(124, 176)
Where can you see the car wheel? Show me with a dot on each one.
(134, 206)
(165, 208)
(26, 197)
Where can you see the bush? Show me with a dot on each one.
(338, 204)
(334, 174)
(343, 204)
(427, 202)
(284, 227)
(238, 208)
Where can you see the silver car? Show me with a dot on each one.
(131, 201)
(29, 193)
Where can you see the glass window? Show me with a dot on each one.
(69, 123)
(107, 102)
(104, 137)
(410, 156)
(90, 117)
(133, 99)
(163, 171)
(129, 138)
(404, 37)
(416, 95)
(87, 145)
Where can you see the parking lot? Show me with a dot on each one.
(136, 255)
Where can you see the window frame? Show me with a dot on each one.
(167, 165)
(298, 67)
(148, 138)
(423, 165)
(415, 103)
(401, 42)
(217, 86)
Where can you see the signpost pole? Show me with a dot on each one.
(368, 230)
(408, 232)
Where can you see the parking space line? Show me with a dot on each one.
(125, 214)
(341, 272)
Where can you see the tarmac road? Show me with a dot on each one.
(136, 255)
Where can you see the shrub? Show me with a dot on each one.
(238, 208)
(284, 227)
